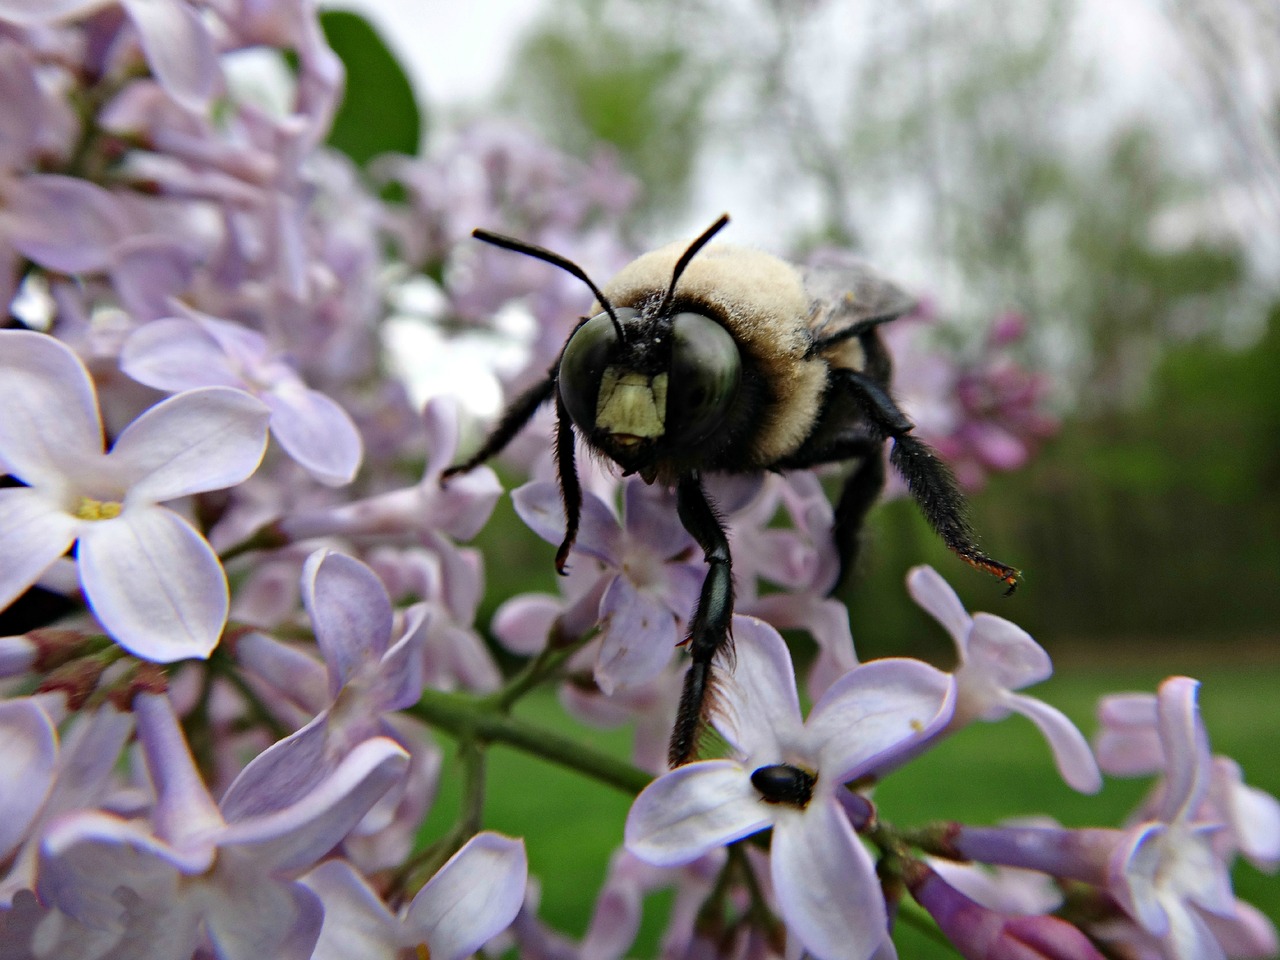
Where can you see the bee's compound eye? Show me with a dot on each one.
(583, 363)
(705, 371)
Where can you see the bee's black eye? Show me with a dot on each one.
(705, 371)
(583, 363)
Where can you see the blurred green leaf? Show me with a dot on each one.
(379, 113)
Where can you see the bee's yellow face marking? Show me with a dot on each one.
(631, 404)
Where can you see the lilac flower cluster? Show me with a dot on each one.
(228, 746)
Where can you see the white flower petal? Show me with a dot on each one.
(316, 432)
(759, 710)
(34, 532)
(826, 884)
(471, 899)
(692, 810)
(258, 916)
(1071, 751)
(203, 439)
(154, 583)
(875, 713)
(50, 421)
(936, 598)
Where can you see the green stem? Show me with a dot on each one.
(467, 718)
(545, 664)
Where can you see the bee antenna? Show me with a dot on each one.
(688, 255)
(555, 259)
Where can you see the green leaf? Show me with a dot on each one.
(379, 113)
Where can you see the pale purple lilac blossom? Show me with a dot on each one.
(823, 877)
(150, 578)
(470, 900)
(182, 353)
(652, 568)
(230, 879)
(996, 658)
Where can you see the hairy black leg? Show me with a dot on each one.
(709, 630)
(517, 414)
(929, 480)
(570, 487)
(861, 488)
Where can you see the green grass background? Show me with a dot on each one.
(984, 774)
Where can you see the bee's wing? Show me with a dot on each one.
(847, 296)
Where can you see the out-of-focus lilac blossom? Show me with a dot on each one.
(1165, 870)
(996, 658)
(183, 353)
(233, 880)
(151, 579)
(1129, 745)
(980, 933)
(83, 777)
(447, 580)
(823, 877)
(470, 900)
(28, 755)
(459, 509)
(802, 559)
(983, 412)
(652, 568)
(175, 40)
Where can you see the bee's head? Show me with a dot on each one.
(648, 382)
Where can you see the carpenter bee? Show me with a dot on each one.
(702, 358)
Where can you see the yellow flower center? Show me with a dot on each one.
(91, 509)
(422, 951)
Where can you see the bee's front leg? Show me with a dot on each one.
(709, 630)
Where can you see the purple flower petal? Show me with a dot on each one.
(936, 598)
(471, 899)
(1186, 747)
(826, 884)
(179, 49)
(649, 512)
(760, 709)
(34, 533)
(51, 410)
(316, 432)
(356, 921)
(538, 504)
(33, 12)
(203, 439)
(149, 273)
(185, 814)
(523, 623)
(28, 754)
(278, 919)
(293, 838)
(638, 637)
(282, 774)
(350, 611)
(1071, 751)
(65, 223)
(177, 354)
(1006, 652)
(875, 713)
(155, 584)
(692, 810)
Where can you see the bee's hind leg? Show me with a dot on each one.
(709, 630)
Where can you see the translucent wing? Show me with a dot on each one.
(847, 296)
